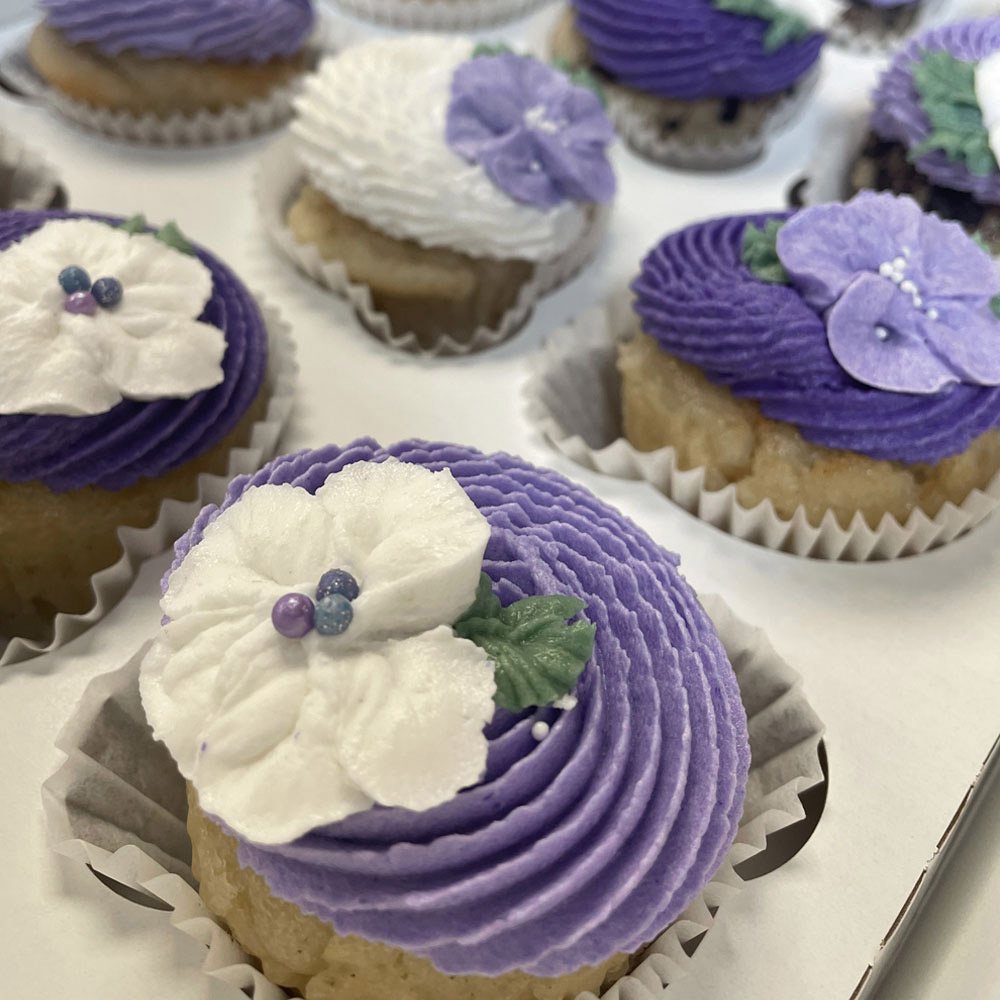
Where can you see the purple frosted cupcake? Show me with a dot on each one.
(842, 359)
(132, 363)
(935, 127)
(478, 739)
(696, 83)
(171, 57)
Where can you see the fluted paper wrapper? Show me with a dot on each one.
(176, 516)
(118, 804)
(26, 180)
(440, 15)
(574, 399)
(279, 179)
(206, 128)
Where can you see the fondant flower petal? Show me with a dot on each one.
(414, 714)
(413, 540)
(583, 174)
(873, 335)
(948, 264)
(969, 339)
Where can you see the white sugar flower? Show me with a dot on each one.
(282, 735)
(149, 345)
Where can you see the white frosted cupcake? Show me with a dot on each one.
(455, 184)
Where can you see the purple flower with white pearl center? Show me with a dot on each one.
(540, 138)
(83, 297)
(296, 615)
(906, 296)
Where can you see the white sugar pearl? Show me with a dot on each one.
(540, 730)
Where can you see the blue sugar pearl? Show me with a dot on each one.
(74, 279)
(337, 581)
(108, 292)
(334, 615)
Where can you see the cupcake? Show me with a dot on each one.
(132, 362)
(842, 359)
(26, 180)
(696, 83)
(452, 184)
(115, 62)
(934, 127)
(439, 15)
(452, 727)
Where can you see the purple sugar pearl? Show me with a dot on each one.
(334, 615)
(337, 581)
(293, 615)
(81, 304)
(108, 292)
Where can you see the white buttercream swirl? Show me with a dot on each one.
(371, 136)
(987, 84)
(149, 346)
(280, 736)
(818, 14)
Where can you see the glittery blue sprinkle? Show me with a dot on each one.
(74, 279)
(337, 581)
(334, 615)
(108, 292)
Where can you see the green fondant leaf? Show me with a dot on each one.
(171, 236)
(784, 27)
(946, 90)
(580, 76)
(137, 224)
(760, 252)
(995, 305)
(491, 49)
(538, 656)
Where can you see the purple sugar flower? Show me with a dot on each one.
(540, 138)
(906, 295)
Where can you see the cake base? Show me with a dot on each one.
(302, 953)
(51, 544)
(667, 402)
(883, 165)
(707, 133)
(160, 87)
(432, 291)
(883, 24)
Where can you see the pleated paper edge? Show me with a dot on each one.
(40, 179)
(594, 335)
(440, 15)
(176, 516)
(664, 961)
(279, 177)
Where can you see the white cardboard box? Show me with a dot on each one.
(900, 659)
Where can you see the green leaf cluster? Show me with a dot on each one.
(538, 656)
(170, 235)
(946, 90)
(784, 27)
(760, 252)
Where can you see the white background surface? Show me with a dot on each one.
(900, 659)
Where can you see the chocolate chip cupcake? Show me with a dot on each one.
(696, 83)
(934, 127)
(485, 741)
(132, 362)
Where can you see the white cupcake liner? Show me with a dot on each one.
(26, 180)
(574, 399)
(205, 128)
(175, 516)
(279, 179)
(118, 804)
(440, 15)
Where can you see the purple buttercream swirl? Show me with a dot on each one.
(581, 846)
(897, 115)
(763, 342)
(227, 30)
(136, 440)
(689, 49)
